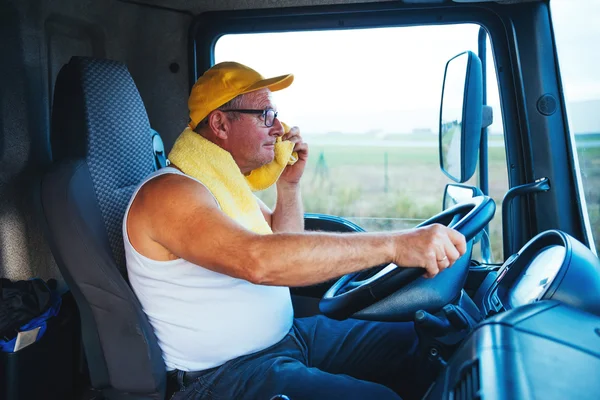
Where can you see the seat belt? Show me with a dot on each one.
(160, 159)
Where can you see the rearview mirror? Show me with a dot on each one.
(455, 194)
(461, 116)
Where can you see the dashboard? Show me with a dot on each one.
(551, 266)
(541, 318)
(534, 281)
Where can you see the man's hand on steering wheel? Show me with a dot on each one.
(434, 247)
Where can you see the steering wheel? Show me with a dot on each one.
(392, 293)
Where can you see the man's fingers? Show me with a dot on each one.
(437, 247)
(293, 138)
(458, 240)
(302, 150)
(431, 270)
(443, 263)
(293, 132)
(431, 266)
(452, 253)
(301, 147)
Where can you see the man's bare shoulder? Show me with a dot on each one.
(162, 212)
(168, 199)
(173, 189)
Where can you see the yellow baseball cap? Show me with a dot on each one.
(225, 81)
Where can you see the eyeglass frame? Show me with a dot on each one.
(263, 113)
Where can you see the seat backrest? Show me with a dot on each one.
(102, 149)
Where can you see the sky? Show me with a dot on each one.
(577, 30)
(389, 80)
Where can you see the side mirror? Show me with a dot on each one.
(462, 116)
(455, 194)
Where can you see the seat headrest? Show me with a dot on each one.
(97, 106)
(98, 116)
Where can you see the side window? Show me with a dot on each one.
(367, 102)
(576, 44)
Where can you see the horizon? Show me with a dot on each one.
(389, 80)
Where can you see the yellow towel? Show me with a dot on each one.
(265, 176)
(215, 168)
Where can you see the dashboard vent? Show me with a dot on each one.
(467, 387)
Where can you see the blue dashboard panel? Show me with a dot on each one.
(545, 350)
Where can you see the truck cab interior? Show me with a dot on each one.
(475, 124)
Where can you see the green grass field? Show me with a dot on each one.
(356, 182)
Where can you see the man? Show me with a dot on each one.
(211, 264)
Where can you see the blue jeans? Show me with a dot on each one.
(319, 359)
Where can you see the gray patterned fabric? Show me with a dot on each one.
(102, 148)
(118, 144)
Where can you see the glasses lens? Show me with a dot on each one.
(269, 118)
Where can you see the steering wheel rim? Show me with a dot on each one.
(357, 291)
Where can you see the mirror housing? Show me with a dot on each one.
(461, 116)
(455, 194)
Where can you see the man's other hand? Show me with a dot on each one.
(433, 247)
(292, 173)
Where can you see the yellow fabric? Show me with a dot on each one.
(215, 168)
(225, 81)
(263, 177)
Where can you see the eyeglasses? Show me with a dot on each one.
(267, 115)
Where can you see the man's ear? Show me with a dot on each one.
(219, 124)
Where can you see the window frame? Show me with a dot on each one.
(504, 24)
(572, 144)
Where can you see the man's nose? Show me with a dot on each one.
(277, 128)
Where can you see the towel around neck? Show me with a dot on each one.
(215, 167)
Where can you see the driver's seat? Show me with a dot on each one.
(102, 148)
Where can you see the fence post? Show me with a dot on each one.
(385, 172)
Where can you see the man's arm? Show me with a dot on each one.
(288, 215)
(181, 217)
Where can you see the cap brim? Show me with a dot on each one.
(273, 84)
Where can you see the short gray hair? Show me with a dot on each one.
(236, 102)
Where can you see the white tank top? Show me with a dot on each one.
(202, 318)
